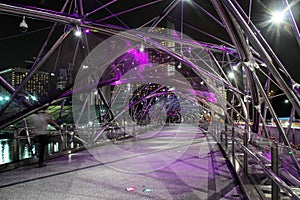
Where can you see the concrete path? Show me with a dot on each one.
(178, 162)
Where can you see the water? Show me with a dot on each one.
(14, 150)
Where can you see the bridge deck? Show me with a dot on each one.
(140, 168)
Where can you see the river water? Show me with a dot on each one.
(14, 150)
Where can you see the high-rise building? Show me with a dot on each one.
(36, 88)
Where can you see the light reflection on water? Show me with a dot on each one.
(13, 150)
(4, 151)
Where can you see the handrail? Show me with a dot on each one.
(282, 185)
(270, 173)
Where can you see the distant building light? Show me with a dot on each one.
(286, 101)
(85, 66)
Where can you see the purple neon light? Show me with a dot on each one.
(140, 57)
(208, 96)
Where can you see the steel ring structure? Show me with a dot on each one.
(133, 66)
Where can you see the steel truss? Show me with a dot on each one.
(225, 99)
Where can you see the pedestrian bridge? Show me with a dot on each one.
(177, 162)
(159, 107)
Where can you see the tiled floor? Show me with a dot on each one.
(180, 164)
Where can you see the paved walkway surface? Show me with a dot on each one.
(177, 162)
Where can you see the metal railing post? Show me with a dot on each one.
(245, 153)
(226, 139)
(232, 145)
(221, 136)
(274, 164)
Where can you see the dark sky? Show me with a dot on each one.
(18, 48)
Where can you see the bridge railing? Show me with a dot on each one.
(265, 162)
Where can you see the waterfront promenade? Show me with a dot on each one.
(146, 167)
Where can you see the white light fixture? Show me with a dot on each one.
(78, 32)
(277, 17)
(142, 48)
(23, 27)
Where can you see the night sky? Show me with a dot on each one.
(18, 49)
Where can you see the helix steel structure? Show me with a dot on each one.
(129, 71)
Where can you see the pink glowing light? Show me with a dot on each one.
(140, 57)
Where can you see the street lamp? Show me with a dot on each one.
(277, 17)
(77, 32)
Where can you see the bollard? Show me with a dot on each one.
(274, 164)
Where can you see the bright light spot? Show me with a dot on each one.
(230, 75)
(33, 98)
(234, 67)
(118, 82)
(52, 74)
(286, 101)
(277, 17)
(130, 189)
(77, 33)
(87, 31)
(1, 98)
(85, 67)
(179, 66)
(142, 48)
(6, 98)
(148, 190)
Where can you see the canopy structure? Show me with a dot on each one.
(148, 63)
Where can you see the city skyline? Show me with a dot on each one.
(20, 49)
